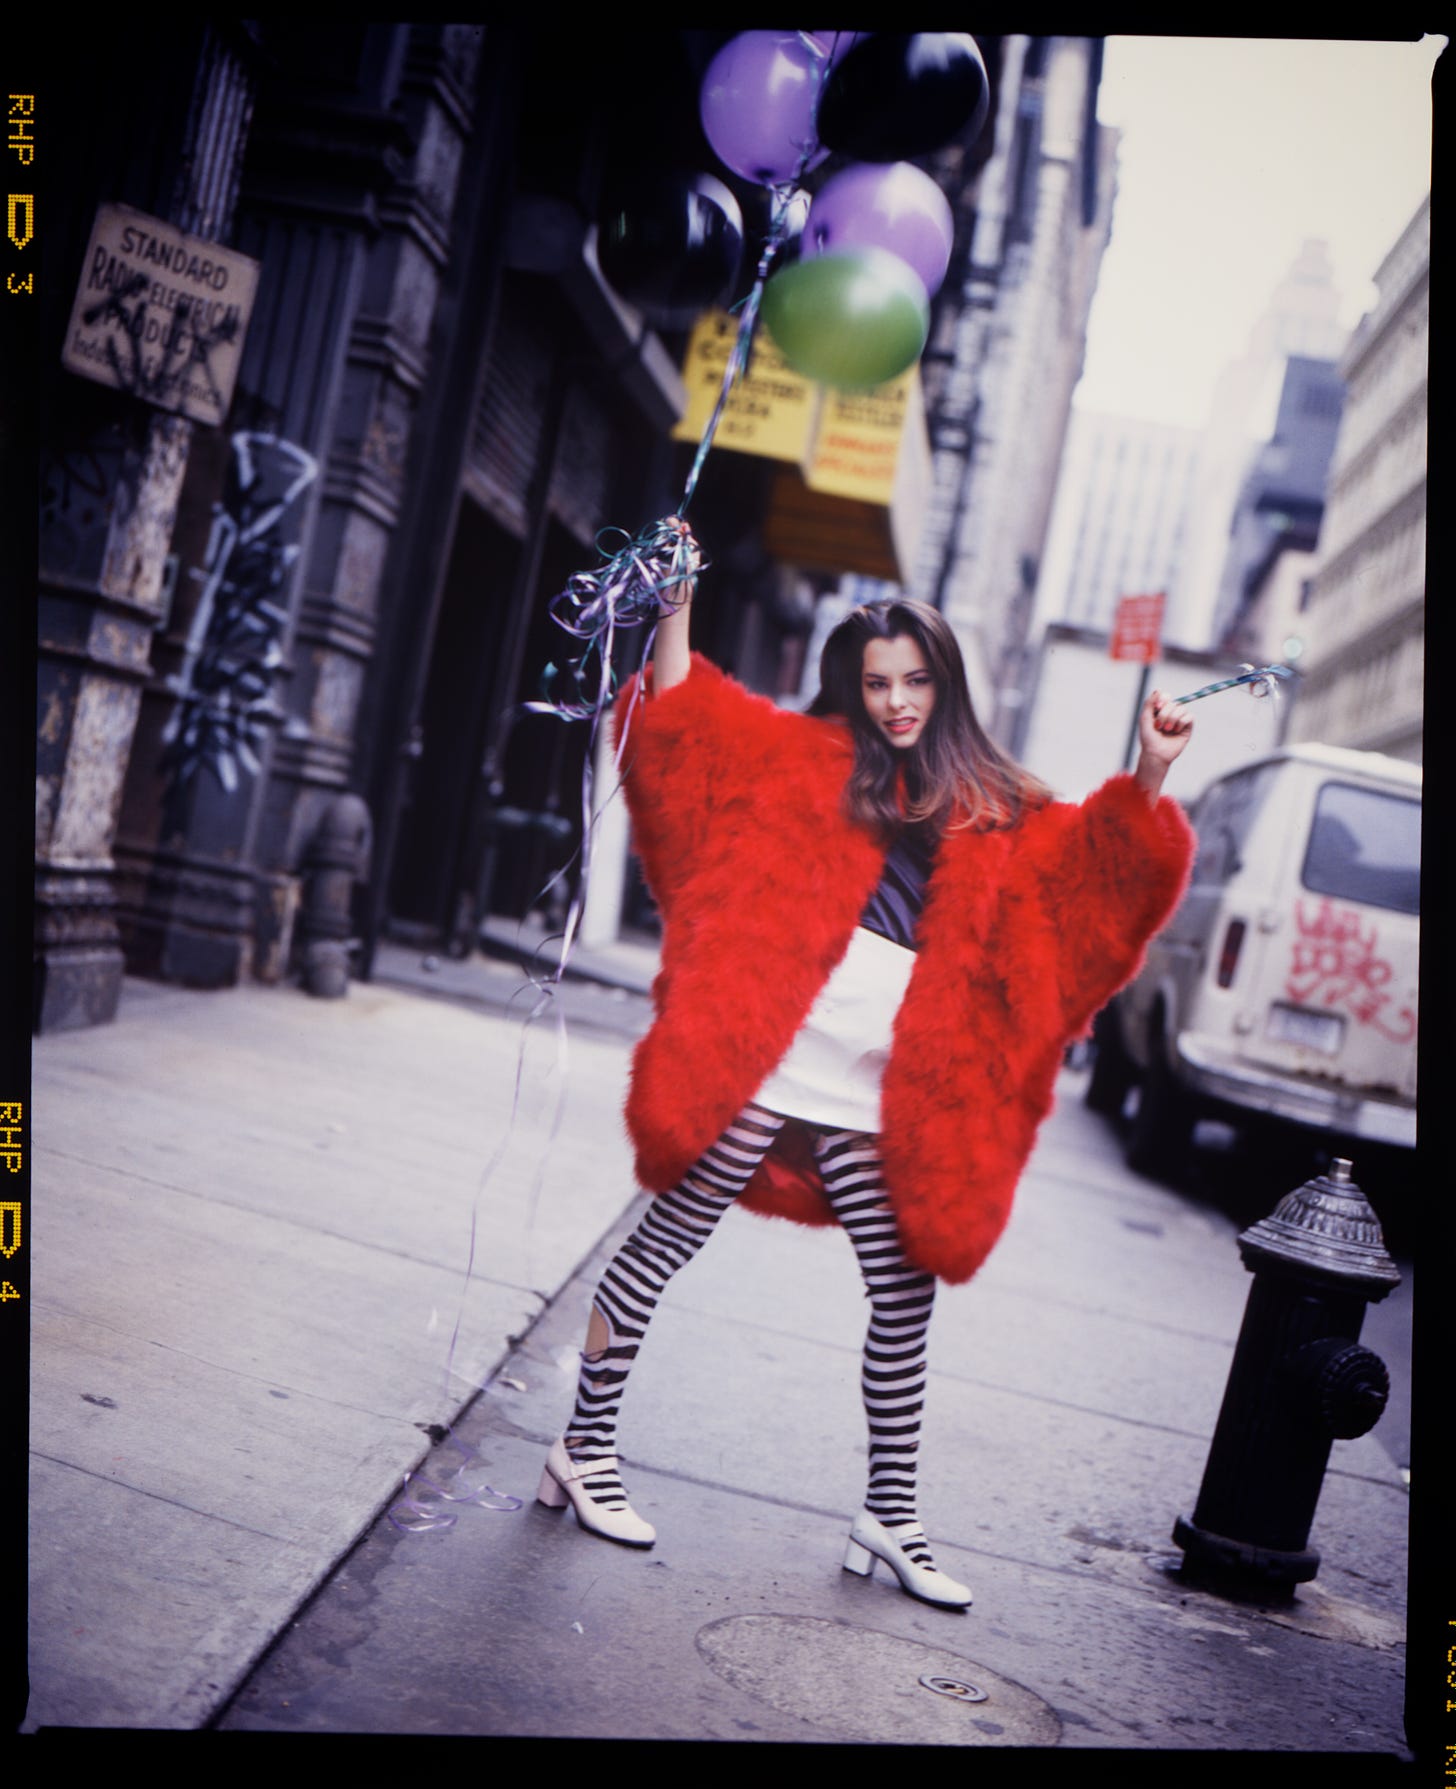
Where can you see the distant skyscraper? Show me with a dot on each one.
(1120, 517)
(1283, 494)
(1302, 318)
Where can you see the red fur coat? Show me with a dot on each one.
(760, 879)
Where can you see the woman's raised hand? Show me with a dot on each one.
(1163, 731)
(672, 652)
(688, 559)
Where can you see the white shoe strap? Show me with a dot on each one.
(588, 1468)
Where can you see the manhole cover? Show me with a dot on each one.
(859, 1685)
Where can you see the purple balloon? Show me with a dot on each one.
(894, 207)
(757, 104)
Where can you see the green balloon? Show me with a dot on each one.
(850, 320)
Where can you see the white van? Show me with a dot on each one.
(1285, 986)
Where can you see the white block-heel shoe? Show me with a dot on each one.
(563, 1481)
(870, 1540)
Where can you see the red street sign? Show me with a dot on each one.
(1137, 632)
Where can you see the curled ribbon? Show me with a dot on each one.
(1259, 680)
(641, 578)
(417, 1512)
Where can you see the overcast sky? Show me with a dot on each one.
(1235, 150)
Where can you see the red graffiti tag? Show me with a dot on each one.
(1335, 965)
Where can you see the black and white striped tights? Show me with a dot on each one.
(677, 1225)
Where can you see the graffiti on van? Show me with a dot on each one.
(1335, 964)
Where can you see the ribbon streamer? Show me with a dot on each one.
(630, 590)
(421, 1511)
(1259, 679)
(639, 581)
(786, 201)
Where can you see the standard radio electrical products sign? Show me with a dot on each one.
(160, 314)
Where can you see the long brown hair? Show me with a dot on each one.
(955, 775)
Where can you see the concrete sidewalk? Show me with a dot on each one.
(258, 1219)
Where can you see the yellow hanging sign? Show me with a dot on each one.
(857, 445)
(771, 410)
(845, 443)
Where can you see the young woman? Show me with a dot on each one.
(879, 934)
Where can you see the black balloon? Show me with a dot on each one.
(899, 94)
(670, 243)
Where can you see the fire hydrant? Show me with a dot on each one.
(1299, 1381)
(337, 857)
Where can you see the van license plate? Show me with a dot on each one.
(1298, 1025)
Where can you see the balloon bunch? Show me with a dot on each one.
(851, 311)
(1259, 680)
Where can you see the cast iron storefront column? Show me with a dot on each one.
(99, 604)
(348, 204)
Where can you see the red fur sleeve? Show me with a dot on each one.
(679, 764)
(1113, 871)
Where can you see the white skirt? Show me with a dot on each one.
(832, 1071)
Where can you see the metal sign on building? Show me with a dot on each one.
(1138, 629)
(160, 314)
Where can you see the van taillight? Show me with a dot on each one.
(1228, 957)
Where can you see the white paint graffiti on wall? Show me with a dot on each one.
(234, 647)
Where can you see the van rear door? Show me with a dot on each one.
(1243, 851)
(1342, 997)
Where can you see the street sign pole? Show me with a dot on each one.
(1144, 680)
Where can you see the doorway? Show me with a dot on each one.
(462, 696)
